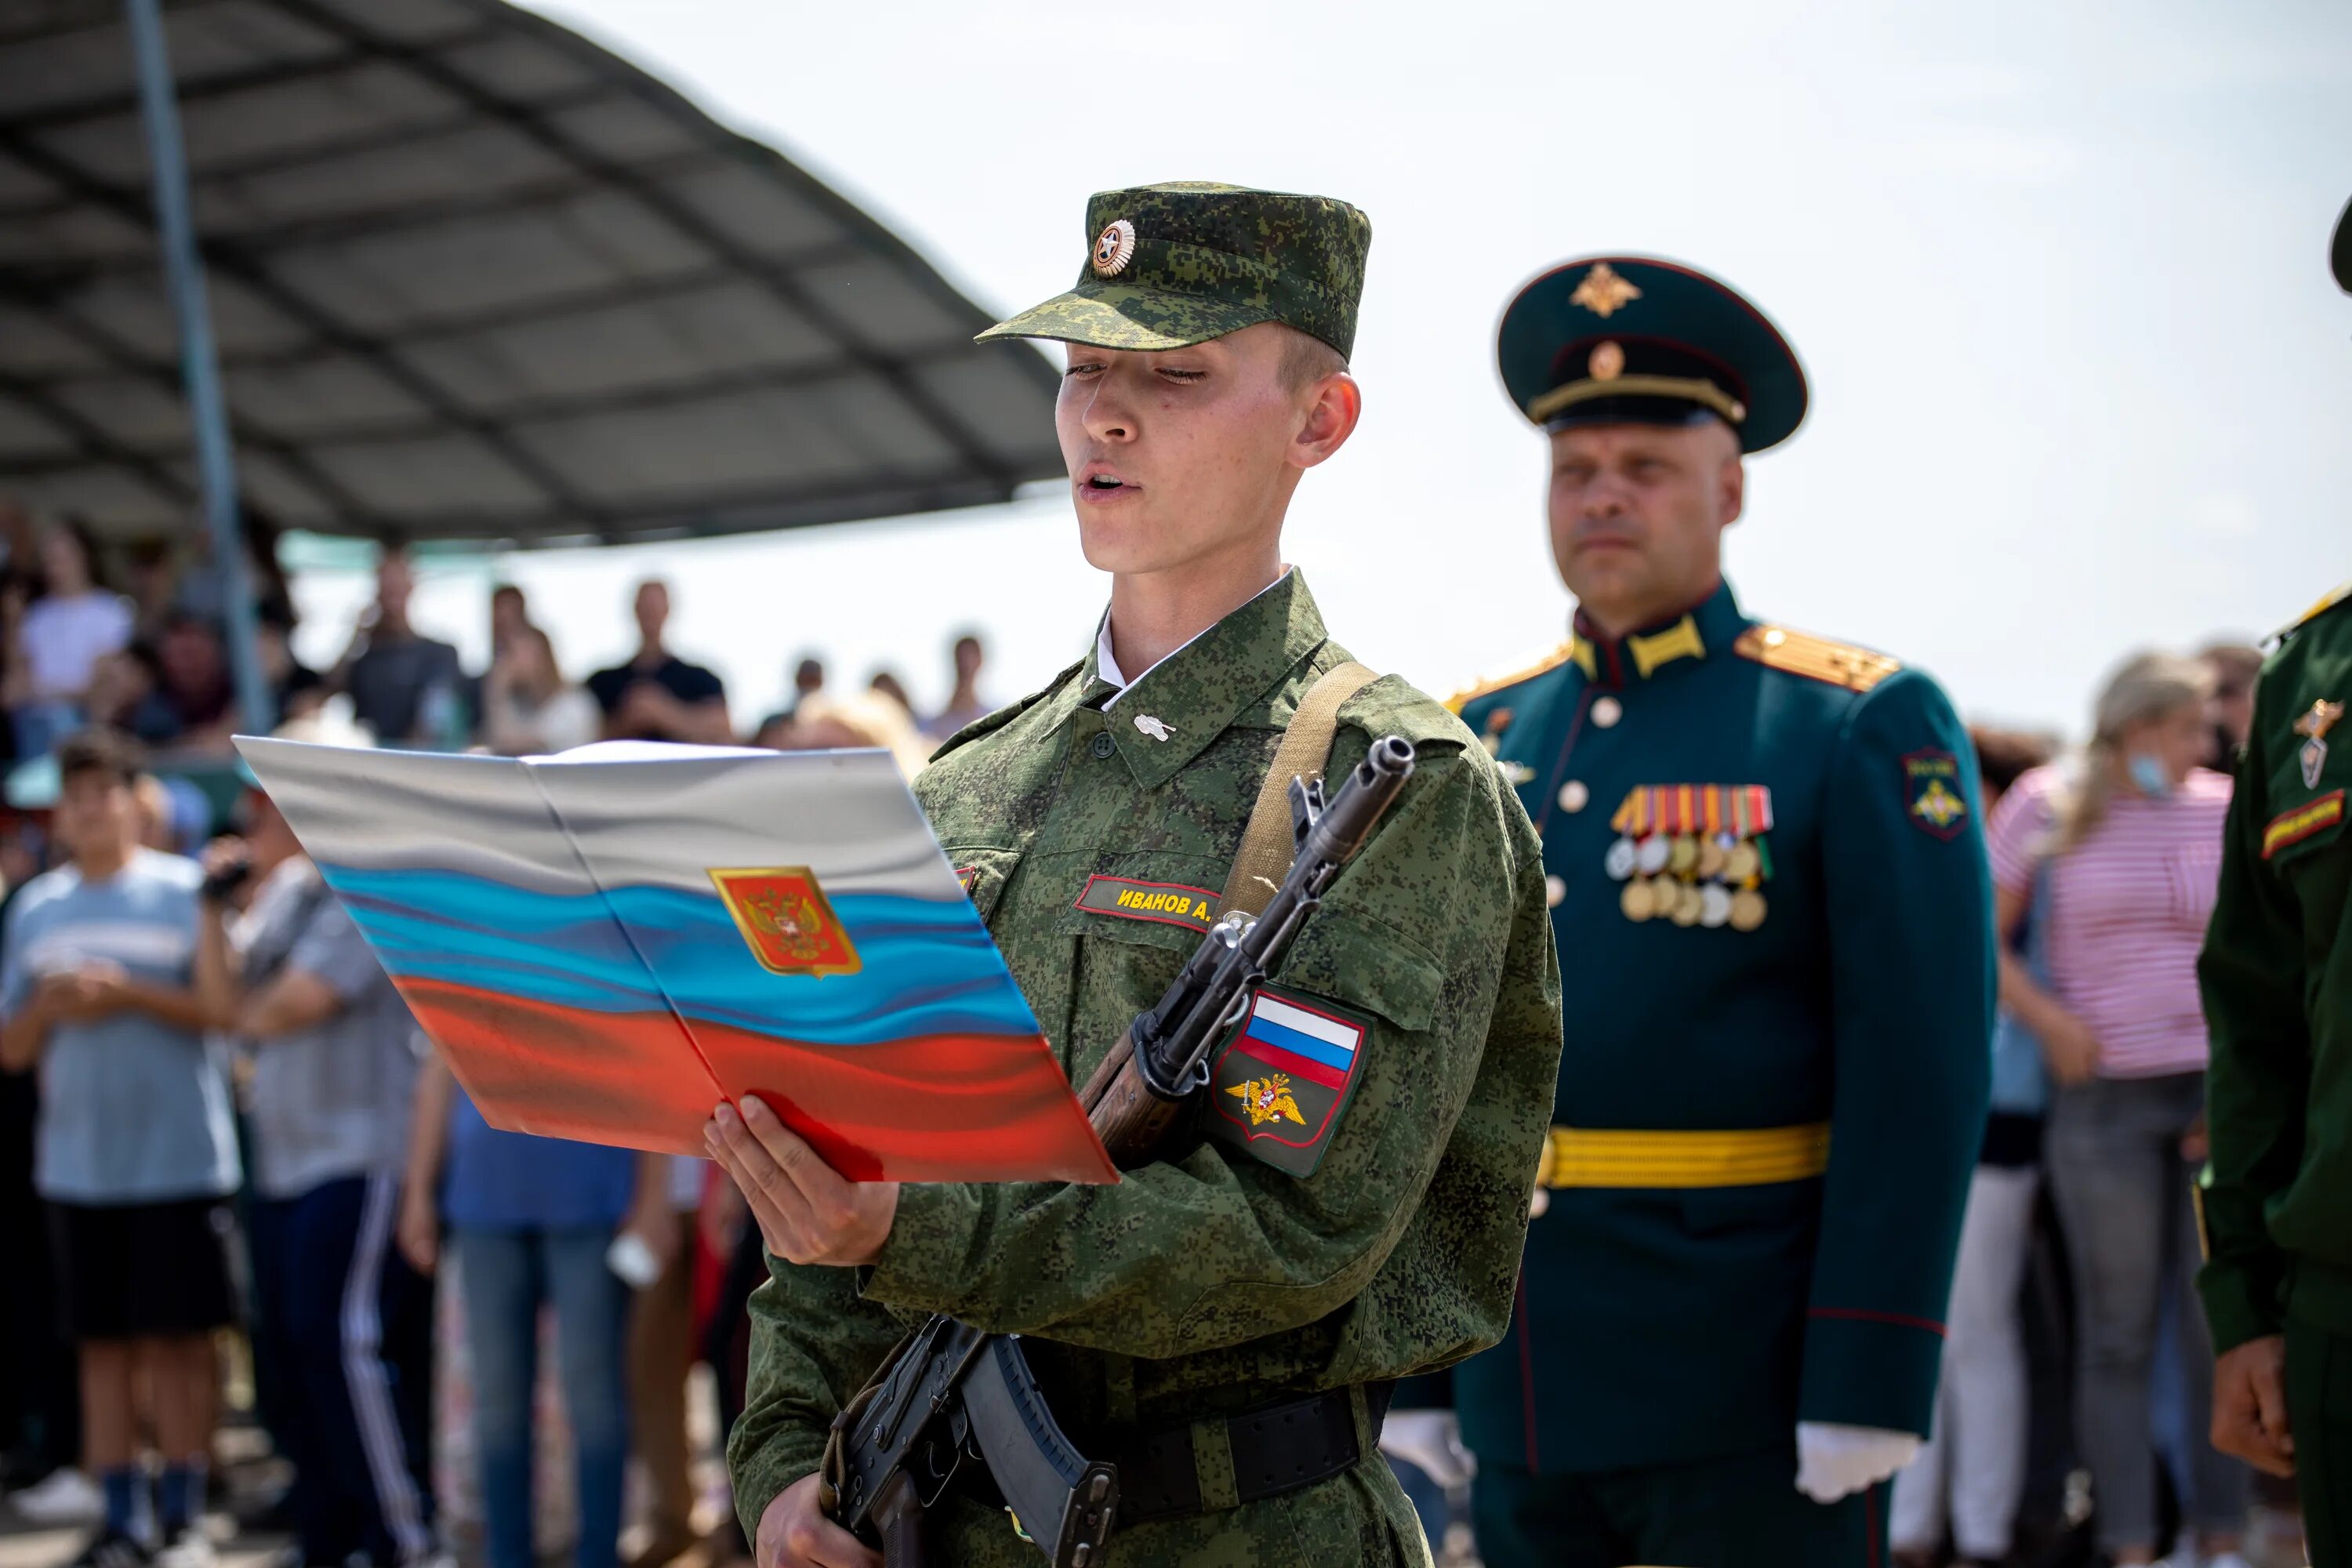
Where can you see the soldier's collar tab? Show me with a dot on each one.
(1195, 692)
(1707, 627)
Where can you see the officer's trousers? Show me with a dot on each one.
(2319, 1412)
(1738, 1512)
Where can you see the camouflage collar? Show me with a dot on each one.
(1176, 707)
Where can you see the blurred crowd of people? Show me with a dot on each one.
(135, 638)
(225, 1143)
(2077, 1371)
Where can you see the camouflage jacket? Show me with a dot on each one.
(1207, 1284)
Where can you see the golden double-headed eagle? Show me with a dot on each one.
(792, 919)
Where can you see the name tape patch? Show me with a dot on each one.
(1170, 903)
(1279, 1086)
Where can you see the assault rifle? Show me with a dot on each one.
(952, 1395)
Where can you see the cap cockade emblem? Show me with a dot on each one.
(1608, 361)
(1114, 248)
(1602, 292)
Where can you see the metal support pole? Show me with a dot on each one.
(184, 272)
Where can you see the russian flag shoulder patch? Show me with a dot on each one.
(1281, 1082)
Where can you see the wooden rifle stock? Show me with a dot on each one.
(1128, 1117)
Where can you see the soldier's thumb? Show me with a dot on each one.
(2270, 1404)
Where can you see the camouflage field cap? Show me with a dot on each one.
(1177, 264)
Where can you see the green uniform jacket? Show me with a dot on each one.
(1211, 1283)
(2277, 979)
(1657, 1325)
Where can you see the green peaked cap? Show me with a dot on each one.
(2339, 250)
(1168, 266)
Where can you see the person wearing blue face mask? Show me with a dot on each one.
(2117, 855)
(2150, 775)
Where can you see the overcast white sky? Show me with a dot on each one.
(2057, 273)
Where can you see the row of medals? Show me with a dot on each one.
(1690, 880)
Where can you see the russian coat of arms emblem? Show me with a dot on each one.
(786, 921)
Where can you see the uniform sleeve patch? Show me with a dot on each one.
(2295, 827)
(1281, 1082)
(1933, 795)
(1170, 903)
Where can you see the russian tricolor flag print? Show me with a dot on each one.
(1314, 1045)
(1281, 1084)
(606, 943)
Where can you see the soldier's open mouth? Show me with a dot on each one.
(1104, 482)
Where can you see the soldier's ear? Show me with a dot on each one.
(1329, 419)
(1731, 480)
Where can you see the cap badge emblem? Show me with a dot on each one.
(1114, 248)
(1608, 361)
(1602, 292)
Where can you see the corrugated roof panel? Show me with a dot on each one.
(133, 410)
(471, 277)
(325, 397)
(415, 479)
(25, 433)
(470, 160)
(32, 343)
(127, 502)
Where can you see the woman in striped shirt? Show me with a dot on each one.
(2125, 844)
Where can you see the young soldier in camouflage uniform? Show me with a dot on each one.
(2278, 980)
(1249, 1285)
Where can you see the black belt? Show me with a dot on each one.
(1275, 1448)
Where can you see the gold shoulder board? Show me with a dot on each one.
(2317, 610)
(1527, 669)
(1816, 658)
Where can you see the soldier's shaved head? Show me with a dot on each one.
(1307, 359)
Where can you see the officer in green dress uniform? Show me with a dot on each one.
(1226, 1321)
(1770, 895)
(2277, 1199)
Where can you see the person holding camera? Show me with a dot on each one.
(334, 1058)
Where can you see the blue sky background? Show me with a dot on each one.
(2057, 273)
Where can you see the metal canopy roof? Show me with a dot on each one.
(472, 277)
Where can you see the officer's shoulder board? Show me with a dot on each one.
(2342, 595)
(989, 723)
(1815, 658)
(1526, 667)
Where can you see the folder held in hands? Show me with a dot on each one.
(605, 944)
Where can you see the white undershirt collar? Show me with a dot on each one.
(1107, 663)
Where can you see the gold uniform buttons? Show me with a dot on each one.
(1606, 712)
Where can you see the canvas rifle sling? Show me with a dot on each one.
(1267, 842)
